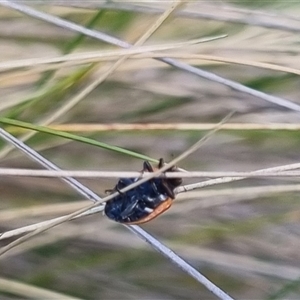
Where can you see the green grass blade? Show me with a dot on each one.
(74, 137)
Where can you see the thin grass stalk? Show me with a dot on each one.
(271, 20)
(189, 200)
(89, 57)
(172, 126)
(189, 205)
(32, 292)
(14, 172)
(90, 87)
(140, 232)
(84, 191)
(177, 64)
(37, 157)
(211, 182)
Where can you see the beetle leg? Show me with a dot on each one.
(147, 166)
(129, 209)
(176, 181)
(123, 182)
(161, 163)
(154, 186)
(168, 191)
(119, 191)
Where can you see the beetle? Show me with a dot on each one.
(146, 201)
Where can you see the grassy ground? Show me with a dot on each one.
(243, 235)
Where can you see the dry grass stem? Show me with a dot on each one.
(120, 174)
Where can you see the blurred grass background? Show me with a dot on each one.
(247, 245)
